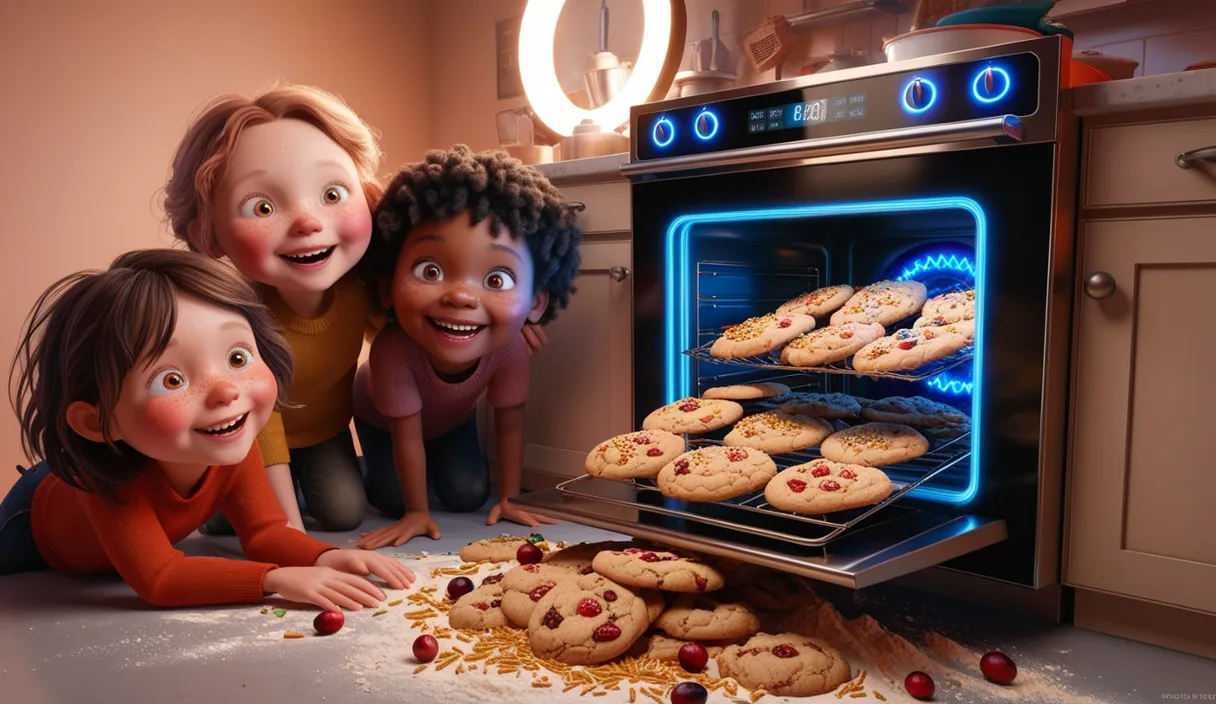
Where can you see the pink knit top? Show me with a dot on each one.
(398, 381)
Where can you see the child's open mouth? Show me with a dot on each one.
(229, 427)
(454, 330)
(315, 256)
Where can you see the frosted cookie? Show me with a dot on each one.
(885, 303)
(819, 302)
(658, 569)
(947, 308)
(747, 392)
(500, 549)
(823, 486)
(831, 344)
(911, 348)
(916, 411)
(587, 621)
(874, 444)
(823, 405)
(634, 455)
(660, 646)
(776, 432)
(788, 665)
(714, 473)
(480, 608)
(760, 334)
(693, 416)
(578, 558)
(525, 585)
(698, 617)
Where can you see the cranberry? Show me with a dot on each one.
(707, 419)
(649, 557)
(820, 471)
(589, 608)
(828, 485)
(796, 485)
(606, 632)
(919, 685)
(483, 606)
(654, 452)
(610, 596)
(846, 335)
(785, 651)
(641, 439)
(689, 406)
(531, 568)
(847, 474)
(587, 570)
(540, 592)
(492, 579)
(736, 455)
(459, 587)
(681, 467)
(529, 554)
(907, 344)
(552, 618)
(693, 657)
(496, 603)
(635, 551)
(785, 323)
(701, 583)
(425, 648)
(328, 622)
(998, 667)
(689, 693)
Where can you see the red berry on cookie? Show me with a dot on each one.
(606, 632)
(589, 608)
(796, 485)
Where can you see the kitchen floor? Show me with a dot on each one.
(89, 639)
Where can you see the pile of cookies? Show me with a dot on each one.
(593, 603)
(858, 328)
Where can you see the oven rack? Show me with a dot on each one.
(734, 512)
(772, 361)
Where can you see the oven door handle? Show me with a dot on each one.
(1001, 129)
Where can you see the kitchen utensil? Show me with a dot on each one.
(1117, 67)
(711, 54)
(943, 40)
(846, 59)
(770, 44)
(514, 127)
(605, 74)
(590, 140)
(701, 82)
(1032, 16)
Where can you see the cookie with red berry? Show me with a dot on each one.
(786, 664)
(884, 302)
(874, 444)
(747, 392)
(715, 472)
(500, 549)
(526, 585)
(643, 568)
(776, 432)
(912, 348)
(660, 646)
(637, 455)
(831, 344)
(693, 416)
(587, 621)
(578, 557)
(947, 308)
(823, 486)
(761, 334)
(701, 617)
(480, 608)
(818, 303)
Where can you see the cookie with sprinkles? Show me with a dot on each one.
(761, 334)
(833, 343)
(916, 411)
(715, 472)
(693, 416)
(819, 302)
(776, 432)
(823, 486)
(644, 568)
(747, 392)
(635, 455)
(947, 308)
(480, 608)
(884, 302)
(874, 444)
(912, 348)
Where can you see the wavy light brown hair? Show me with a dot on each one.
(204, 152)
(90, 329)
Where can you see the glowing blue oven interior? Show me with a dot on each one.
(722, 267)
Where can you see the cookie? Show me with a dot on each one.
(831, 344)
(819, 302)
(760, 334)
(942, 435)
(500, 549)
(693, 416)
(588, 621)
(700, 617)
(577, 558)
(916, 411)
(714, 473)
(747, 392)
(911, 348)
(480, 608)
(525, 585)
(884, 302)
(874, 444)
(947, 308)
(637, 455)
(787, 664)
(655, 603)
(640, 568)
(823, 486)
(819, 405)
(660, 646)
(776, 432)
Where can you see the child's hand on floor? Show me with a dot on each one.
(323, 586)
(535, 336)
(366, 562)
(412, 524)
(508, 512)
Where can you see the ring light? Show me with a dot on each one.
(663, 26)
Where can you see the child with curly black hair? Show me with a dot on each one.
(466, 249)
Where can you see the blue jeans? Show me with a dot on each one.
(456, 472)
(18, 553)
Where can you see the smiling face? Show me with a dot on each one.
(462, 293)
(290, 211)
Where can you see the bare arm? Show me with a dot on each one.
(285, 493)
(409, 460)
(509, 434)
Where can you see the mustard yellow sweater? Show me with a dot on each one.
(326, 350)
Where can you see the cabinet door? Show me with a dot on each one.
(1143, 470)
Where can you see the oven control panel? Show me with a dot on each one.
(1006, 85)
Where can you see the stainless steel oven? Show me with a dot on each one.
(957, 171)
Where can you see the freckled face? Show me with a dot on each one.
(289, 209)
(205, 399)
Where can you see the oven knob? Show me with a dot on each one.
(919, 95)
(706, 125)
(664, 131)
(991, 84)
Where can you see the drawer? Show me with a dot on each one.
(608, 206)
(1134, 164)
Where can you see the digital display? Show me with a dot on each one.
(802, 114)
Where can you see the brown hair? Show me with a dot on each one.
(213, 133)
(90, 329)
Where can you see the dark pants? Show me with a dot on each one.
(456, 472)
(328, 480)
(18, 553)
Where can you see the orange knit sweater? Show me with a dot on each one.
(81, 532)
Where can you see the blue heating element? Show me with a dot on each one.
(955, 269)
(680, 300)
(947, 384)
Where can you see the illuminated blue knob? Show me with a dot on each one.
(991, 84)
(919, 95)
(664, 131)
(706, 125)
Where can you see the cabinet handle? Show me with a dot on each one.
(618, 273)
(1099, 285)
(1186, 160)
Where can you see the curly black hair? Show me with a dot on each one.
(487, 184)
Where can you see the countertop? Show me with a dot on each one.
(89, 639)
(1169, 90)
